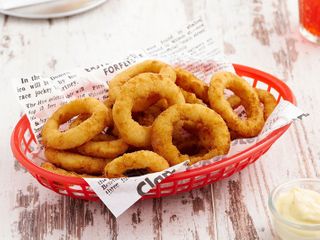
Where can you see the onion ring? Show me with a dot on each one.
(102, 145)
(190, 83)
(108, 102)
(187, 131)
(103, 137)
(209, 123)
(99, 119)
(180, 134)
(136, 160)
(103, 149)
(52, 168)
(249, 127)
(150, 66)
(114, 131)
(234, 101)
(75, 162)
(142, 85)
(99, 137)
(79, 119)
(266, 98)
(191, 97)
(186, 138)
(147, 117)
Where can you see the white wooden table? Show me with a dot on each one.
(261, 34)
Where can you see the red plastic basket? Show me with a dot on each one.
(22, 137)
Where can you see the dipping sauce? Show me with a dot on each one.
(309, 12)
(299, 205)
(297, 214)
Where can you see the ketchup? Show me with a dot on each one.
(309, 11)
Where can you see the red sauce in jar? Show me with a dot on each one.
(309, 11)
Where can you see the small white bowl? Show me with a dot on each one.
(286, 229)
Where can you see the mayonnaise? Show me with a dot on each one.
(298, 206)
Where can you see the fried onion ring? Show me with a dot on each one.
(186, 138)
(148, 66)
(148, 160)
(52, 168)
(181, 133)
(99, 119)
(249, 127)
(234, 101)
(206, 120)
(190, 83)
(146, 84)
(191, 97)
(103, 137)
(266, 98)
(99, 137)
(75, 162)
(103, 149)
(188, 131)
(79, 119)
(102, 145)
(147, 116)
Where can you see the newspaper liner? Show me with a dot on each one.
(191, 47)
(118, 194)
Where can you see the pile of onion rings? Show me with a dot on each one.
(155, 116)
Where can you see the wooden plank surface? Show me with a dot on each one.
(262, 34)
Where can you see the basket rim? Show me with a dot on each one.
(273, 136)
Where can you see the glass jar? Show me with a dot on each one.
(288, 229)
(309, 12)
